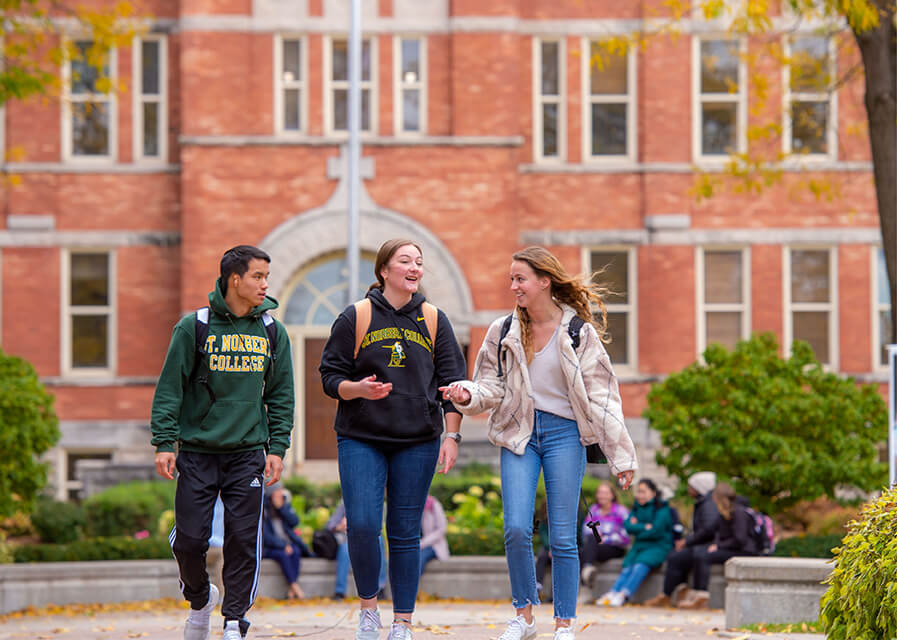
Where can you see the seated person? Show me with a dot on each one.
(279, 541)
(651, 527)
(433, 525)
(612, 518)
(337, 525)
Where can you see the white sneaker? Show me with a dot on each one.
(588, 574)
(617, 599)
(199, 622)
(519, 630)
(564, 633)
(604, 601)
(232, 631)
(399, 631)
(368, 625)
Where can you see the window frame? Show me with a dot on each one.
(877, 308)
(330, 85)
(788, 97)
(68, 154)
(399, 85)
(66, 486)
(703, 307)
(280, 86)
(588, 99)
(630, 308)
(699, 98)
(831, 307)
(539, 100)
(110, 310)
(139, 99)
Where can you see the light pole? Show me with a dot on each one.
(353, 244)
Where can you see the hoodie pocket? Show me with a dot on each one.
(397, 415)
(230, 424)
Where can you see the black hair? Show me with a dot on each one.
(236, 260)
(648, 482)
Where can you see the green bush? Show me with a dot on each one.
(127, 508)
(862, 594)
(57, 522)
(808, 546)
(5, 550)
(477, 542)
(308, 495)
(118, 548)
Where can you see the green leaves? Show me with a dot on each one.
(783, 430)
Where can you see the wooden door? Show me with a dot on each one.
(320, 409)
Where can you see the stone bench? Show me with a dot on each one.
(653, 584)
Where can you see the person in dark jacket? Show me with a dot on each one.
(650, 525)
(385, 359)
(705, 523)
(279, 540)
(734, 537)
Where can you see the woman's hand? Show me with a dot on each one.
(456, 393)
(448, 455)
(367, 388)
(712, 548)
(625, 479)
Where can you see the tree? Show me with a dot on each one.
(783, 430)
(28, 428)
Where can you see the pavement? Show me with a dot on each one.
(321, 619)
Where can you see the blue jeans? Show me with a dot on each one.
(405, 473)
(343, 565)
(289, 563)
(554, 449)
(426, 554)
(631, 578)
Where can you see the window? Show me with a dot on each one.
(410, 100)
(720, 110)
(73, 485)
(811, 301)
(290, 97)
(723, 297)
(89, 331)
(615, 270)
(550, 71)
(89, 108)
(150, 98)
(609, 110)
(881, 311)
(337, 93)
(810, 105)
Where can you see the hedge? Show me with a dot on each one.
(127, 508)
(117, 548)
(808, 546)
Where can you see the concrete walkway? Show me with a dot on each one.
(326, 620)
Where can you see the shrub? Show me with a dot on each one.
(311, 495)
(118, 548)
(808, 546)
(17, 525)
(57, 522)
(862, 595)
(5, 550)
(127, 508)
(477, 542)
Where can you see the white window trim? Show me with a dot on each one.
(110, 309)
(831, 306)
(330, 85)
(280, 86)
(630, 308)
(399, 84)
(68, 154)
(539, 100)
(877, 308)
(139, 99)
(64, 484)
(831, 97)
(703, 307)
(699, 98)
(630, 99)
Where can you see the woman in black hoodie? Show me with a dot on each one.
(384, 361)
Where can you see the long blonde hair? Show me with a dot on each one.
(570, 290)
(724, 499)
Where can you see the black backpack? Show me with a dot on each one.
(200, 372)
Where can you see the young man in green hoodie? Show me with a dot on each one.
(227, 409)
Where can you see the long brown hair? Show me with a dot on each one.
(570, 290)
(724, 499)
(384, 255)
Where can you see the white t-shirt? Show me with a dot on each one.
(547, 378)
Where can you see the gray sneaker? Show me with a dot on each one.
(399, 631)
(199, 621)
(368, 625)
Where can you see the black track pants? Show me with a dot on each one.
(239, 477)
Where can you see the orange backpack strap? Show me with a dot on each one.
(362, 322)
(431, 319)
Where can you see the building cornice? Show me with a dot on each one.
(710, 237)
(91, 168)
(91, 238)
(336, 141)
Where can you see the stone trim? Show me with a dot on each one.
(142, 168)
(294, 140)
(77, 239)
(105, 381)
(600, 237)
(588, 167)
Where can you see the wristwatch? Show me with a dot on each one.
(454, 435)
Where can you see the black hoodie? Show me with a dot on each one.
(397, 349)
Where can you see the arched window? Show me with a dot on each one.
(319, 293)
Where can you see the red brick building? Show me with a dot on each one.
(486, 129)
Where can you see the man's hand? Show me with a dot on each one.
(448, 455)
(273, 468)
(165, 464)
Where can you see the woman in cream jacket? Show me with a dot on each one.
(549, 402)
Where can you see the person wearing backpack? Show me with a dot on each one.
(545, 378)
(734, 537)
(225, 402)
(384, 360)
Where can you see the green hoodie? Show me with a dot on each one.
(253, 409)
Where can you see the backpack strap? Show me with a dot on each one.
(362, 322)
(271, 330)
(505, 327)
(200, 371)
(431, 319)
